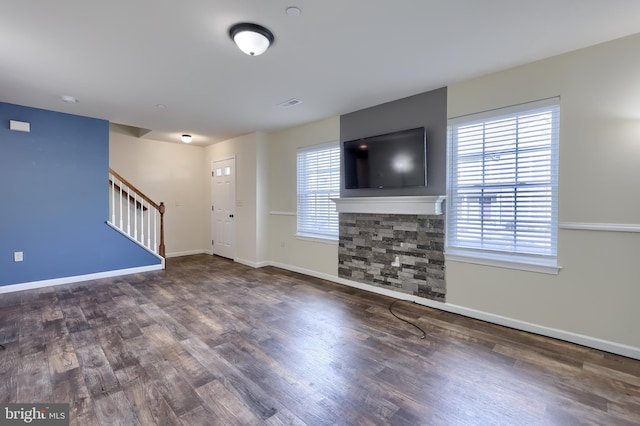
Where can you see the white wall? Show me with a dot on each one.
(167, 172)
(262, 197)
(283, 246)
(597, 293)
(250, 206)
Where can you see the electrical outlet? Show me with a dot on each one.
(396, 262)
(18, 256)
(282, 243)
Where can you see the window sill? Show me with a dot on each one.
(317, 239)
(521, 263)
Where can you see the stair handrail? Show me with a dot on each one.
(159, 207)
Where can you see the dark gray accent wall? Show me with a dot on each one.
(427, 109)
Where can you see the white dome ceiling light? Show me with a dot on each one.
(69, 99)
(252, 39)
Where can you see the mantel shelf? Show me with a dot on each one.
(421, 205)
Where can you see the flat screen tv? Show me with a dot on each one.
(393, 160)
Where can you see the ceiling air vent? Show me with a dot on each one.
(291, 102)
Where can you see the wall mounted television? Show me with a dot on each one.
(392, 160)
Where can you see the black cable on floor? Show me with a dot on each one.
(2, 347)
(424, 333)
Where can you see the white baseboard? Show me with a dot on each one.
(251, 263)
(592, 342)
(580, 339)
(77, 278)
(187, 253)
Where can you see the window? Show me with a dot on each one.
(503, 187)
(318, 182)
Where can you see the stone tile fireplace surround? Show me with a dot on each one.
(395, 243)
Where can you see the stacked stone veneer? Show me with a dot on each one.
(369, 244)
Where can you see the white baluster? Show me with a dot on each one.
(142, 225)
(155, 231)
(132, 198)
(129, 211)
(121, 227)
(135, 216)
(113, 199)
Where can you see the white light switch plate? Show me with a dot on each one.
(18, 256)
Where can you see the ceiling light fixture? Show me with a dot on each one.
(69, 99)
(186, 138)
(293, 11)
(252, 39)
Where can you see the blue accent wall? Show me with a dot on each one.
(54, 199)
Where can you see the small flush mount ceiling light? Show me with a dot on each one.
(293, 11)
(69, 99)
(252, 39)
(186, 138)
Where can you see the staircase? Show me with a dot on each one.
(135, 215)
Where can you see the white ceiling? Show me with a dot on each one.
(121, 58)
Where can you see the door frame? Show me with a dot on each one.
(211, 212)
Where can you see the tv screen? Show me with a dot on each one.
(393, 160)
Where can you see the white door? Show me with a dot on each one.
(223, 200)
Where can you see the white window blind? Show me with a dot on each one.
(503, 183)
(318, 182)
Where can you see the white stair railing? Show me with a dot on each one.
(136, 215)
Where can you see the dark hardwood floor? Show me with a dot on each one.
(212, 342)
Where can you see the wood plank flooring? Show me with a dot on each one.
(212, 342)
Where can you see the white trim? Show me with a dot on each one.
(276, 213)
(332, 241)
(611, 227)
(251, 263)
(504, 111)
(233, 157)
(303, 271)
(422, 205)
(78, 278)
(318, 146)
(486, 260)
(187, 253)
(580, 339)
